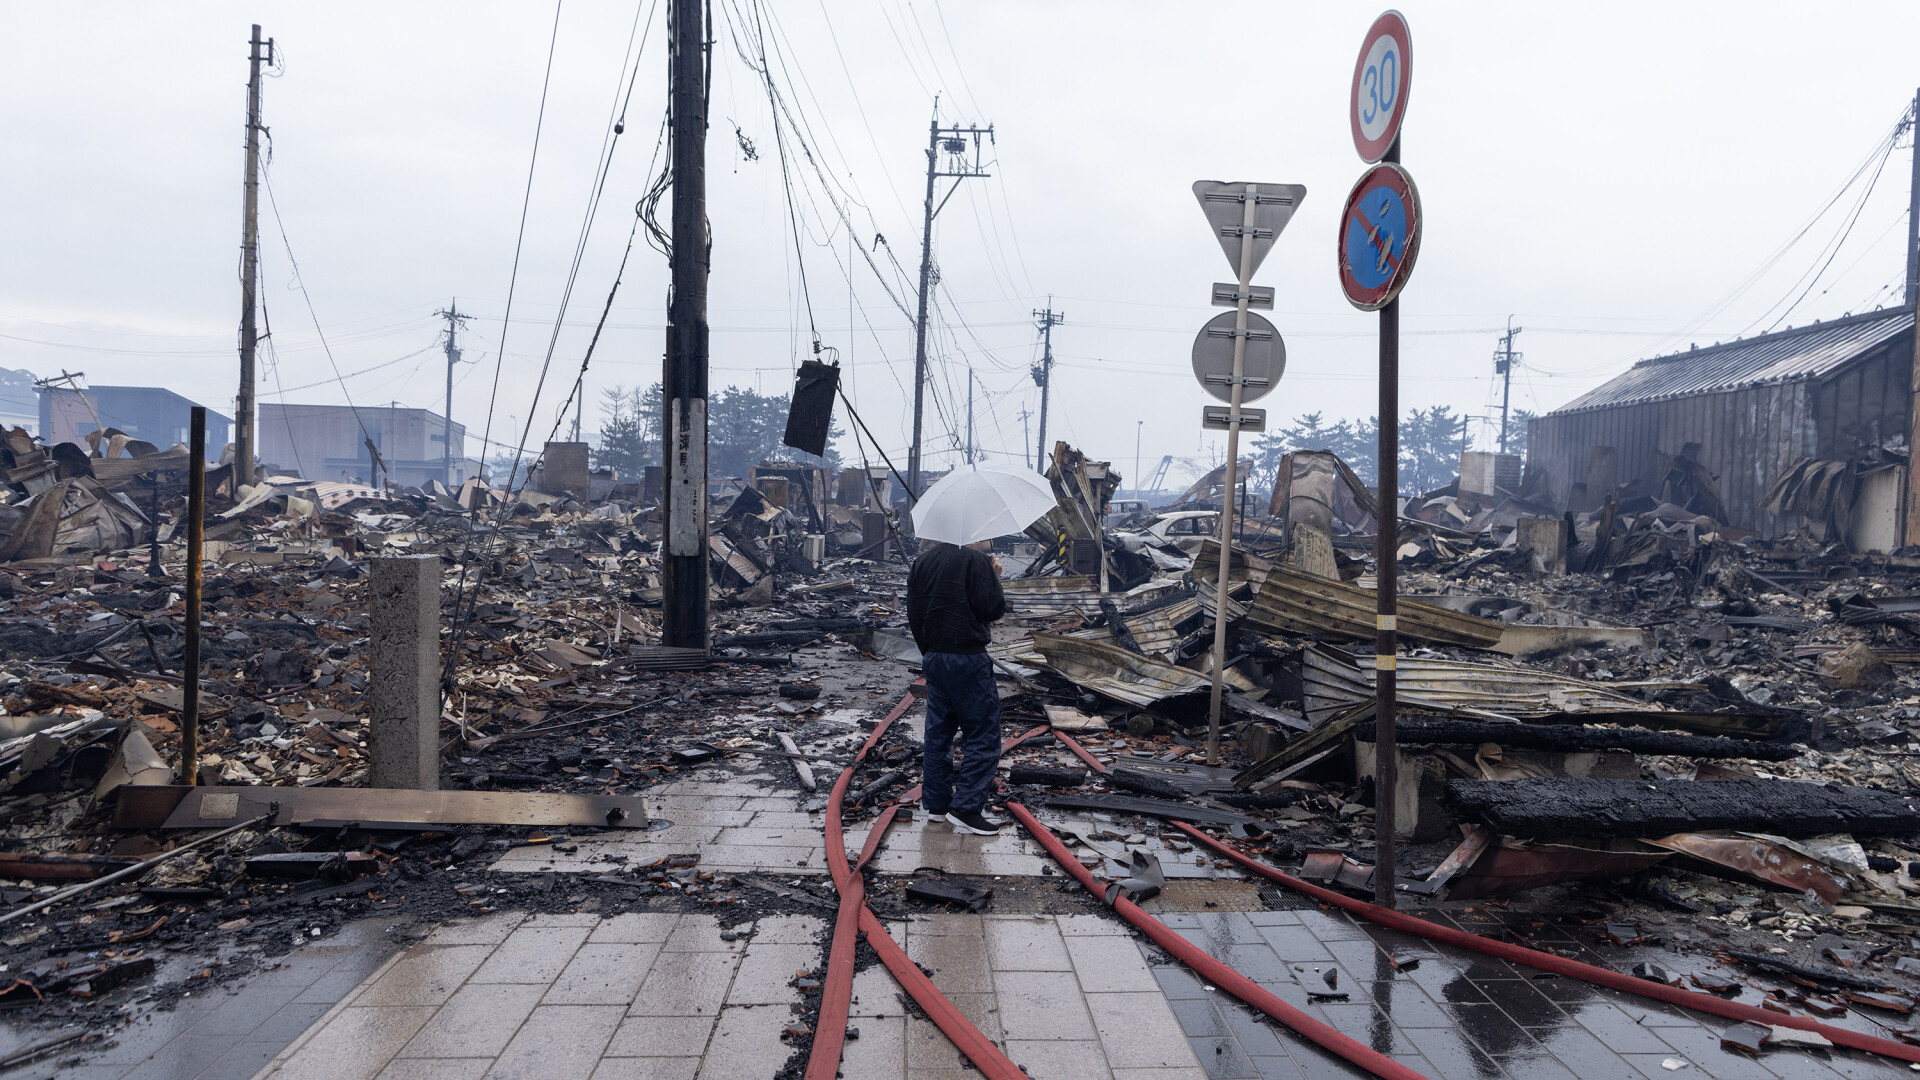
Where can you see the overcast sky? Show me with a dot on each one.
(1613, 176)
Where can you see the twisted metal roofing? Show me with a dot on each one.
(1791, 355)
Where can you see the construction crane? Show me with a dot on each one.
(1160, 474)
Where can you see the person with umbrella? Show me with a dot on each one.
(953, 597)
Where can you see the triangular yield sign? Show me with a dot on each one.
(1225, 203)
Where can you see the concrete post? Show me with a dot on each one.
(565, 470)
(404, 683)
(1545, 538)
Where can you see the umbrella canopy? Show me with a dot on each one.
(979, 502)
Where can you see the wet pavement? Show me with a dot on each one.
(1458, 1015)
(665, 995)
(230, 1031)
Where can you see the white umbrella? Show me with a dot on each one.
(979, 502)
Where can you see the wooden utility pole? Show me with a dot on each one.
(243, 443)
(683, 387)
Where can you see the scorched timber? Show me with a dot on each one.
(1576, 739)
(1557, 806)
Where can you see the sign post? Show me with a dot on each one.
(1379, 237)
(1246, 218)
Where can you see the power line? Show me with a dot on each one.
(299, 280)
(526, 201)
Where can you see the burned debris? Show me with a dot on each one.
(1642, 719)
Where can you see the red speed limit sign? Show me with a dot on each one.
(1381, 80)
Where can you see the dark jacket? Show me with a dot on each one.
(952, 594)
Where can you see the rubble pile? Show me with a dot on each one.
(1633, 720)
(550, 604)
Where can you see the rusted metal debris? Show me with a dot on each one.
(1764, 859)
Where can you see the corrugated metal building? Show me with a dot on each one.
(1827, 391)
(150, 413)
(326, 442)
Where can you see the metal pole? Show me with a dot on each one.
(1386, 586)
(453, 357)
(136, 869)
(1506, 381)
(1139, 426)
(970, 414)
(1048, 320)
(684, 383)
(190, 664)
(243, 443)
(154, 569)
(920, 321)
(1912, 522)
(1913, 210)
(1250, 206)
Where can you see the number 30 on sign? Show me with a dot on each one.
(1382, 78)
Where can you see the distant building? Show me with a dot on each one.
(19, 406)
(148, 413)
(329, 442)
(1746, 411)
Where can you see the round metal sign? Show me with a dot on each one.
(1379, 237)
(1265, 359)
(1382, 79)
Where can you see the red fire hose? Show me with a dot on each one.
(1560, 965)
(1081, 751)
(1216, 972)
(830, 1032)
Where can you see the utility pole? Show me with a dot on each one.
(951, 142)
(72, 379)
(1912, 529)
(1503, 367)
(1913, 208)
(970, 450)
(243, 445)
(454, 321)
(683, 386)
(1043, 373)
(1024, 413)
(1139, 427)
(579, 407)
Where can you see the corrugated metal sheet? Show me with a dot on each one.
(1805, 353)
(1117, 673)
(1296, 603)
(1336, 682)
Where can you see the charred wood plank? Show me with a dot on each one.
(1572, 806)
(1144, 784)
(1045, 776)
(1568, 739)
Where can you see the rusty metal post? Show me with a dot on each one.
(154, 569)
(1386, 592)
(190, 665)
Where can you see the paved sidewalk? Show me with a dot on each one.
(665, 997)
(1069, 997)
(736, 828)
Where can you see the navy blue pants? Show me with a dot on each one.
(963, 706)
